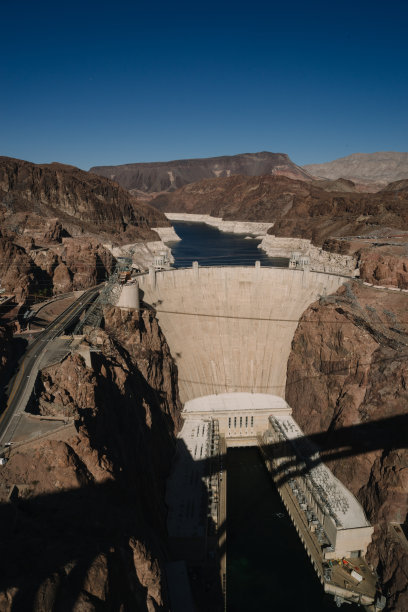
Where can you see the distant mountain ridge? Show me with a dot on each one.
(157, 177)
(316, 210)
(381, 168)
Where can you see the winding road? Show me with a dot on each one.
(23, 382)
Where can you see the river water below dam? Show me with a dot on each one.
(211, 247)
(267, 566)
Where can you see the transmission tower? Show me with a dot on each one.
(108, 296)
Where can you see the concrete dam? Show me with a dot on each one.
(230, 328)
(230, 331)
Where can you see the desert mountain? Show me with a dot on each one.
(381, 168)
(53, 221)
(168, 176)
(304, 209)
(243, 198)
(83, 202)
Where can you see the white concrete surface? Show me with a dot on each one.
(185, 489)
(230, 329)
(336, 509)
(345, 506)
(129, 296)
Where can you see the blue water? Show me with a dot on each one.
(211, 247)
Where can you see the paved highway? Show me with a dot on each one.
(24, 380)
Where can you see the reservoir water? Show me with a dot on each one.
(211, 247)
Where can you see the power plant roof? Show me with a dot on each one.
(234, 402)
(333, 494)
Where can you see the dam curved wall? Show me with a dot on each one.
(230, 328)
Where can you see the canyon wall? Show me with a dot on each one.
(54, 219)
(83, 202)
(82, 510)
(347, 376)
(313, 210)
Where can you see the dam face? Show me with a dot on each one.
(230, 328)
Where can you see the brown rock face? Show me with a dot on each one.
(59, 267)
(347, 376)
(385, 265)
(322, 215)
(53, 219)
(169, 176)
(243, 198)
(90, 504)
(314, 210)
(389, 554)
(82, 202)
(16, 269)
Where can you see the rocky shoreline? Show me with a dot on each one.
(320, 260)
(234, 227)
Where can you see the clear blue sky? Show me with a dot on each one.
(92, 83)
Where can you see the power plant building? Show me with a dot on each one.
(331, 510)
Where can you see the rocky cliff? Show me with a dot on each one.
(242, 198)
(84, 524)
(53, 221)
(58, 266)
(83, 202)
(298, 209)
(378, 168)
(321, 214)
(169, 176)
(347, 376)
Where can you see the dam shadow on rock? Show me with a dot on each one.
(51, 541)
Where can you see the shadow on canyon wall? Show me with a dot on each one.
(55, 538)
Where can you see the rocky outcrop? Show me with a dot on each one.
(240, 198)
(390, 554)
(18, 274)
(90, 532)
(322, 214)
(74, 263)
(169, 176)
(346, 376)
(54, 219)
(298, 209)
(378, 168)
(82, 202)
(385, 265)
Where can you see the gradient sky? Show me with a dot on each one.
(94, 83)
